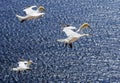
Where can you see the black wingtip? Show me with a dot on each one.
(70, 45)
(22, 21)
(65, 44)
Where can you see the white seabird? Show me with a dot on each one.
(23, 65)
(31, 13)
(73, 36)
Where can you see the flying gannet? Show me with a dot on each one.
(23, 65)
(73, 36)
(31, 13)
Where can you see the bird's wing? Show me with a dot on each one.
(70, 27)
(73, 39)
(66, 40)
(29, 10)
(68, 31)
(37, 14)
(70, 34)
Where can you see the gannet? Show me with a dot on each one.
(31, 13)
(73, 36)
(23, 65)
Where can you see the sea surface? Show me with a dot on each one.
(93, 59)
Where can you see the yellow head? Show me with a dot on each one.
(41, 8)
(85, 25)
(29, 62)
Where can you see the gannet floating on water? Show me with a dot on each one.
(31, 13)
(23, 65)
(73, 36)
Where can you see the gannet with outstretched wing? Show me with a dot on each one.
(31, 13)
(23, 65)
(73, 36)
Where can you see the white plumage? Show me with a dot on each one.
(31, 13)
(73, 36)
(23, 65)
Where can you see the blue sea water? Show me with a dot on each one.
(94, 59)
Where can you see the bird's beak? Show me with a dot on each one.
(90, 27)
(44, 10)
(34, 63)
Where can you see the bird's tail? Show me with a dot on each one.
(21, 18)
